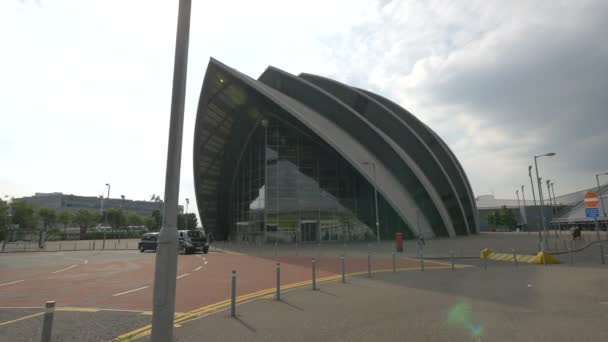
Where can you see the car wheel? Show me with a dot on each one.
(206, 250)
(141, 249)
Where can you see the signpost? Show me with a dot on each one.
(591, 201)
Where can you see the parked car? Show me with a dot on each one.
(148, 242)
(191, 241)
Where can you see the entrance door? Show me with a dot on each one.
(308, 231)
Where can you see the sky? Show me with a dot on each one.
(85, 86)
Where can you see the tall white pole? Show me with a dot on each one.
(523, 197)
(599, 193)
(540, 200)
(519, 206)
(166, 255)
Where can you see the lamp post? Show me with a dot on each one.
(373, 164)
(519, 205)
(187, 202)
(540, 196)
(599, 193)
(105, 220)
(523, 197)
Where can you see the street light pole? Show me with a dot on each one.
(165, 270)
(375, 199)
(187, 202)
(532, 184)
(523, 197)
(105, 220)
(599, 193)
(540, 196)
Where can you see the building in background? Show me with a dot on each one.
(300, 158)
(59, 202)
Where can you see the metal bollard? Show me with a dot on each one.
(369, 265)
(47, 323)
(74, 245)
(278, 296)
(115, 244)
(515, 258)
(603, 260)
(421, 261)
(394, 265)
(343, 271)
(452, 259)
(314, 275)
(60, 245)
(233, 295)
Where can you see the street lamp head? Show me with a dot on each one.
(550, 154)
(107, 184)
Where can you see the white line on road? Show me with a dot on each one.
(12, 282)
(204, 258)
(122, 293)
(205, 263)
(600, 302)
(198, 268)
(65, 269)
(183, 275)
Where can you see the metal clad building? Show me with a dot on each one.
(300, 158)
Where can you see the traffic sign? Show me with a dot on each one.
(592, 212)
(591, 200)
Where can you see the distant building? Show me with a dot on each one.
(59, 202)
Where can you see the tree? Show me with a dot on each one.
(116, 218)
(191, 221)
(181, 222)
(85, 219)
(48, 217)
(134, 219)
(157, 219)
(24, 215)
(507, 217)
(3, 219)
(65, 218)
(151, 223)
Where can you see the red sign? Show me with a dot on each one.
(591, 200)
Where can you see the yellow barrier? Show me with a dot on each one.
(487, 253)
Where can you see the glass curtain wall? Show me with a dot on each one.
(312, 193)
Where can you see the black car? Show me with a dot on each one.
(191, 241)
(148, 242)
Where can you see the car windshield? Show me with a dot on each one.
(194, 234)
(150, 237)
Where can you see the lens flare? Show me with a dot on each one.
(459, 315)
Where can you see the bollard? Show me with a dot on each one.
(47, 323)
(74, 245)
(233, 295)
(314, 275)
(278, 296)
(369, 265)
(394, 266)
(602, 259)
(60, 245)
(570, 256)
(115, 244)
(515, 258)
(343, 271)
(127, 244)
(421, 261)
(452, 259)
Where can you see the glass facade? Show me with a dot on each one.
(291, 186)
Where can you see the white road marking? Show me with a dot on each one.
(205, 263)
(183, 275)
(122, 293)
(604, 303)
(198, 268)
(204, 258)
(65, 269)
(529, 285)
(198, 256)
(12, 282)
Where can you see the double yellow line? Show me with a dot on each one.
(181, 318)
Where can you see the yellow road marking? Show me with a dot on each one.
(21, 318)
(146, 330)
(69, 309)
